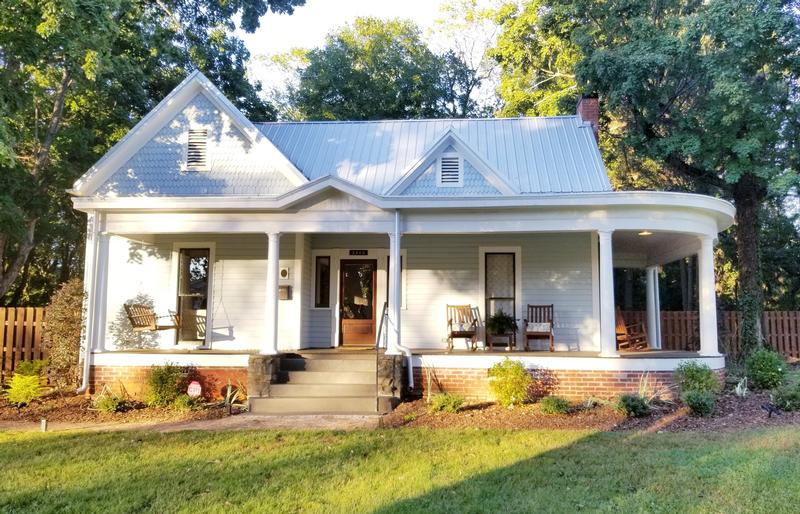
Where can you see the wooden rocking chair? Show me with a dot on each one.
(461, 324)
(630, 336)
(539, 324)
(144, 319)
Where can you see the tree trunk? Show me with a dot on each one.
(747, 195)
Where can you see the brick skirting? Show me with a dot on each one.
(213, 379)
(575, 385)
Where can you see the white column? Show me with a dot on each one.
(708, 298)
(395, 294)
(653, 310)
(608, 332)
(271, 300)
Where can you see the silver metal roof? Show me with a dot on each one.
(535, 155)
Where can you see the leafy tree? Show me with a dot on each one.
(75, 77)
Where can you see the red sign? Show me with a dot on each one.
(194, 389)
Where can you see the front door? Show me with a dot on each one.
(357, 302)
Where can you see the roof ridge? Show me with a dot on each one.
(414, 120)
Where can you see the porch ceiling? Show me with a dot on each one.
(635, 250)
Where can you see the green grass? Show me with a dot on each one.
(406, 470)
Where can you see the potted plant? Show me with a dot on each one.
(500, 323)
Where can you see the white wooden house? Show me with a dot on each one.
(288, 239)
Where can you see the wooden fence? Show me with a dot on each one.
(680, 330)
(21, 330)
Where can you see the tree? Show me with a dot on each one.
(381, 69)
(75, 77)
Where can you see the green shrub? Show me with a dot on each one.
(787, 397)
(555, 405)
(509, 381)
(632, 405)
(111, 403)
(23, 388)
(33, 368)
(695, 376)
(446, 402)
(766, 369)
(184, 402)
(62, 339)
(411, 416)
(700, 403)
(164, 385)
(501, 323)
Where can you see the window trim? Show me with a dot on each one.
(460, 182)
(185, 165)
(175, 258)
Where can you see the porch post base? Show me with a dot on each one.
(260, 371)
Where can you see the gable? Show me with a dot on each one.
(234, 166)
(333, 200)
(474, 184)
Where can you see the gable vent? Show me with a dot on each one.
(196, 150)
(450, 171)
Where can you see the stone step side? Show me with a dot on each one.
(326, 377)
(340, 405)
(321, 390)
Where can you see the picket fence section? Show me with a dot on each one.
(21, 331)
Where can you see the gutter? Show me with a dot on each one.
(402, 349)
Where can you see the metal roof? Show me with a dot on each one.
(535, 155)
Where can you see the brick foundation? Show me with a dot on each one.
(214, 380)
(575, 385)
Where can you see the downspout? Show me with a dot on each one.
(399, 301)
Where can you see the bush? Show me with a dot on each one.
(766, 369)
(111, 402)
(694, 376)
(33, 368)
(164, 385)
(787, 397)
(509, 381)
(184, 402)
(446, 402)
(555, 405)
(62, 339)
(632, 405)
(700, 403)
(23, 388)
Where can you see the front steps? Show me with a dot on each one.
(322, 383)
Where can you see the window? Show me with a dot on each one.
(322, 282)
(500, 283)
(450, 170)
(193, 280)
(197, 151)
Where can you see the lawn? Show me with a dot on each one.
(402, 470)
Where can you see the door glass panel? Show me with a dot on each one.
(193, 267)
(500, 283)
(357, 290)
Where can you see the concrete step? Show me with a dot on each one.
(320, 390)
(326, 377)
(328, 364)
(342, 355)
(343, 405)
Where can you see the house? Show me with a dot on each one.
(281, 254)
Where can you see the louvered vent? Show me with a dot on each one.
(197, 151)
(450, 170)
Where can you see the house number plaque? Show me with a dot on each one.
(359, 252)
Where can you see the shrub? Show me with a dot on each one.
(787, 397)
(62, 339)
(766, 369)
(695, 376)
(411, 416)
(555, 405)
(446, 402)
(110, 402)
(33, 368)
(632, 405)
(509, 381)
(184, 402)
(23, 388)
(700, 403)
(164, 385)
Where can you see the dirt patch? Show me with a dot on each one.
(732, 413)
(78, 409)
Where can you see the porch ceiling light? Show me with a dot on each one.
(645, 233)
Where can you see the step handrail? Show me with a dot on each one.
(384, 314)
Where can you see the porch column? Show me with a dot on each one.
(395, 295)
(271, 299)
(608, 330)
(709, 346)
(653, 308)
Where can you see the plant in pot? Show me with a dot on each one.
(500, 324)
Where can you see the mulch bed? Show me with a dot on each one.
(73, 408)
(732, 413)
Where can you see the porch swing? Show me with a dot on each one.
(143, 318)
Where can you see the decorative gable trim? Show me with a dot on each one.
(433, 155)
(196, 83)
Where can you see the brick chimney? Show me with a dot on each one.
(589, 111)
